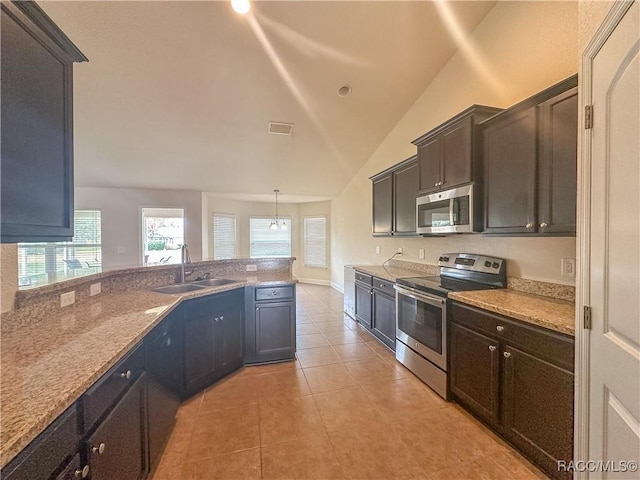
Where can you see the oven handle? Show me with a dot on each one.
(421, 297)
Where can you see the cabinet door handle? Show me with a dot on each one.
(99, 449)
(257, 308)
(500, 328)
(221, 318)
(492, 348)
(274, 292)
(529, 225)
(544, 225)
(126, 375)
(84, 473)
(436, 184)
(506, 354)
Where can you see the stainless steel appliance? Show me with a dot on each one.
(350, 291)
(421, 311)
(450, 211)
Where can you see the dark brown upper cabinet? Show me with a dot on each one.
(394, 199)
(530, 157)
(37, 126)
(448, 155)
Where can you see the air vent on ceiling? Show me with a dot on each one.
(280, 128)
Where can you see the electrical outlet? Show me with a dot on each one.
(95, 289)
(252, 268)
(568, 267)
(399, 250)
(378, 249)
(421, 253)
(68, 298)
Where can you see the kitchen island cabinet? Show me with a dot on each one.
(271, 324)
(518, 378)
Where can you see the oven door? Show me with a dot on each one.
(421, 324)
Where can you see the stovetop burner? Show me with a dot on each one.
(461, 272)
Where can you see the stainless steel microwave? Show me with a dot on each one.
(449, 211)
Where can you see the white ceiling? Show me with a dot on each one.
(179, 94)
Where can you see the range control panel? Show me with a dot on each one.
(471, 262)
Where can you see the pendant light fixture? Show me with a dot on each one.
(274, 223)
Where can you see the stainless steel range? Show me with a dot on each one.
(421, 311)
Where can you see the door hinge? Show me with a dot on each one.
(587, 317)
(588, 117)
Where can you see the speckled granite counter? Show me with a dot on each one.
(48, 365)
(551, 313)
(392, 273)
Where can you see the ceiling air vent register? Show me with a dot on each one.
(280, 128)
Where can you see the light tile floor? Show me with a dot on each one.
(345, 409)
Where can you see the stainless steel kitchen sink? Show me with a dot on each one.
(178, 288)
(213, 282)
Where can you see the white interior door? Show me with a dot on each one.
(612, 252)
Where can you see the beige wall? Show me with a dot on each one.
(243, 210)
(519, 49)
(122, 219)
(8, 276)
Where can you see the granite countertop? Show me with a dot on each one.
(551, 313)
(47, 365)
(391, 273)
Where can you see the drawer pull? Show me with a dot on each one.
(506, 354)
(500, 328)
(382, 285)
(529, 225)
(274, 292)
(544, 225)
(126, 375)
(84, 473)
(99, 449)
(492, 348)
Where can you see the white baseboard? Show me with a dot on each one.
(337, 286)
(314, 281)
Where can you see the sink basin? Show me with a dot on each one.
(178, 288)
(212, 282)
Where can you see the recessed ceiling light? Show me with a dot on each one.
(241, 6)
(344, 90)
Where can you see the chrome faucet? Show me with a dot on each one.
(185, 258)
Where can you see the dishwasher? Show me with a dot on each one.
(350, 291)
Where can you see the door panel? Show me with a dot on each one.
(614, 242)
(456, 154)
(430, 161)
(384, 318)
(382, 206)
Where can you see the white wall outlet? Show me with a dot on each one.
(421, 254)
(252, 268)
(95, 289)
(399, 250)
(568, 266)
(68, 298)
(378, 249)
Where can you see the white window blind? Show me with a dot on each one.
(315, 241)
(265, 242)
(37, 262)
(224, 236)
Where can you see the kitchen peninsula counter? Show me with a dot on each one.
(50, 362)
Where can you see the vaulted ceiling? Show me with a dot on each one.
(178, 94)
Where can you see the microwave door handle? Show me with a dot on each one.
(451, 203)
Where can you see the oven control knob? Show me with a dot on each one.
(441, 259)
(445, 259)
(495, 265)
(487, 264)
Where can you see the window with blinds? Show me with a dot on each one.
(315, 241)
(224, 236)
(41, 263)
(265, 242)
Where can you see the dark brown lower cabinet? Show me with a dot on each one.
(74, 471)
(363, 304)
(383, 317)
(518, 378)
(117, 449)
(475, 371)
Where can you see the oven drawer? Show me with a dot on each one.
(364, 278)
(384, 286)
(551, 346)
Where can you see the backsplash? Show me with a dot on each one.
(36, 303)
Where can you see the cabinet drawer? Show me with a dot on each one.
(383, 286)
(103, 394)
(550, 346)
(364, 278)
(274, 293)
(48, 451)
